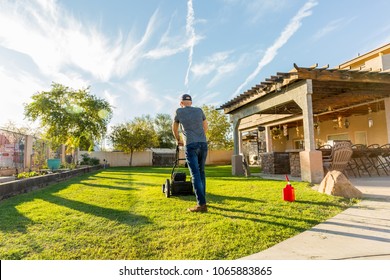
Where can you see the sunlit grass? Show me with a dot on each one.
(121, 213)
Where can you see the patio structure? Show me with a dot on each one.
(290, 115)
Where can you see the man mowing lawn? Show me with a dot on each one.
(193, 125)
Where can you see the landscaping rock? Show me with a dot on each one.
(337, 184)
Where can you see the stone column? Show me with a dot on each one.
(237, 136)
(387, 110)
(237, 168)
(311, 159)
(268, 137)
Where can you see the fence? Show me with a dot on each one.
(20, 152)
(145, 158)
(12, 150)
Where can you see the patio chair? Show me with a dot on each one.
(386, 154)
(326, 151)
(375, 155)
(360, 161)
(339, 158)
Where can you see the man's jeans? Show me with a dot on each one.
(196, 154)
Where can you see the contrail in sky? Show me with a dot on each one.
(191, 36)
(272, 51)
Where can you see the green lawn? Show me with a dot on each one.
(121, 213)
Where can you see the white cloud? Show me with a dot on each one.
(166, 50)
(142, 93)
(71, 79)
(294, 24)
(55, 40)
(111, 98)
(332, 26)
(190, 31)
(131, 52)
(257, 9)
(222, 71)
(173, 46)
(254, 10)
(168, 45)
(217, 65)
(210, 64)
(208, 98)
(202, 69)
(13, 90)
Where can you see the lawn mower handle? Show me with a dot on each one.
(177, 156)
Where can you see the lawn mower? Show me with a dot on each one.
(177, 184)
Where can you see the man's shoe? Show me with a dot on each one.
(198, 208)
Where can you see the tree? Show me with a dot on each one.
(72, 117)
(134, 136)
(163, 126)
(219, 134)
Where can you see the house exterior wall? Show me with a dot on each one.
(386, 62)
(375, 64)
(377, 134)
(377, 57)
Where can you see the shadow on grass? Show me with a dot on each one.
(124, 217)
(217, 203)
(129, 182)
(135, 169)
(97, 177)
(322, 203)
(124, 188)
(220, 198)
(244, 215)
(12, 220)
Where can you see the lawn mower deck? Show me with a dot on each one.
(177, 184)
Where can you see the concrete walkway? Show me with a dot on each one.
(360, 232)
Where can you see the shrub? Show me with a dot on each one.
(94, 161)
(87, 160)
(24, 175)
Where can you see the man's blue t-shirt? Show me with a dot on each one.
(191, 122)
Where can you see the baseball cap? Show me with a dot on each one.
(185, 97)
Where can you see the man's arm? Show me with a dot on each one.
(175, 130)
(205, 126)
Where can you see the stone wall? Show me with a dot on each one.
(295, 164)
(275, 163)
(9, 189)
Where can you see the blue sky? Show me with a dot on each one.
(141, 55)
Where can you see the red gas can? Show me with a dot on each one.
(288, 192)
